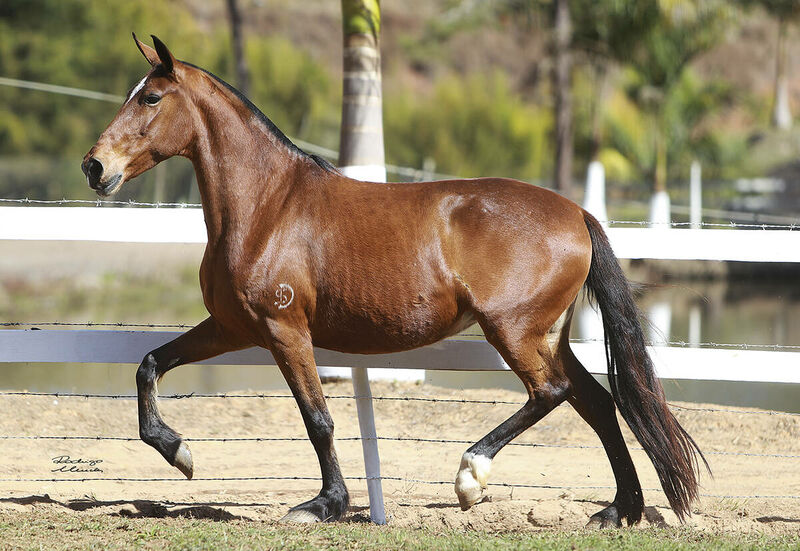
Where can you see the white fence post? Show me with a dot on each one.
(660, 210)
(369, 444)
(695, 196)
(594, 199)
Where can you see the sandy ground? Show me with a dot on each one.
(408, 503)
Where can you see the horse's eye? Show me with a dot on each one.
(152, 99)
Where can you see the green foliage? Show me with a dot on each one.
(361, 17)
(687, 112)
(472, 127)
(780, 9)
(612, 29)
(88, 45)
(34, 529)
(292, 89)
(72, 43)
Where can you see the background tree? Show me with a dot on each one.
(237, 40)
(605, 33)
(361, 143)
(686, 29)
(562, 84)
(785, 12)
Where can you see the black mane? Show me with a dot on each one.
(323, 163)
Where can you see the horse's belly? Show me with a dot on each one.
(375, 331)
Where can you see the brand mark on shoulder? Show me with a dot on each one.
(285, 296)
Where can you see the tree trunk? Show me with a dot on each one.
(242, 72)
(598, 98)
(781, 112)
(361, 145)
(660, 212)
(660, 173)
(563, 101)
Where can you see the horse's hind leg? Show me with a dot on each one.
(596, 406)
(530, 358)
(203, 341)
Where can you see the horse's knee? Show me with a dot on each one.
(147, 370)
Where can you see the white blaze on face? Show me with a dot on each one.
(472, 478)
(136, 89)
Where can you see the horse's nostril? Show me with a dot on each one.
(93, 169)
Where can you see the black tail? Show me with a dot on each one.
(635, 388)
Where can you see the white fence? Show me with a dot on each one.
(168, 225)
(185, 225)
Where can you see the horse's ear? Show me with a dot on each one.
(149, 53)
(167, 60)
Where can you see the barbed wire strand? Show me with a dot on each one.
(263, 396)
(367, 478)
(234, 439)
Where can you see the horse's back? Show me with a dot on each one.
(409, 264)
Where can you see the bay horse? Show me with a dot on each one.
(299, 255)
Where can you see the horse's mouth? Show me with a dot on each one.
(110, 187)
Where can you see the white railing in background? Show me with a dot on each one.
(185, 225)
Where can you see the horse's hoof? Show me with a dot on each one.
(472, 479)
(469, 495)
(183, 460)
(607, 518)
(300, 516)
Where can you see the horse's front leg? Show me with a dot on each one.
(294, 354)
(203, 341)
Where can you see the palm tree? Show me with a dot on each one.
(361, 145)
(242, 71)
(785, 12)
(686, 29)
(562, 81)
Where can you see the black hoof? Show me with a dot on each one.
(327, 507)
(611, 516)
(607, 518)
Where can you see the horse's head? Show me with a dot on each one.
(153, 124)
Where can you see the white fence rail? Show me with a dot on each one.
(185, 225)
(129, 347)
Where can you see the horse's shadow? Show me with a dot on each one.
(769, 519)
(143, 508)
(150, 509)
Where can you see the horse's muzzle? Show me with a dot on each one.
(93, 169)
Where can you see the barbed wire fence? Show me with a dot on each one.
(402, 439)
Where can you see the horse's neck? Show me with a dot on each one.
(239, 170)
